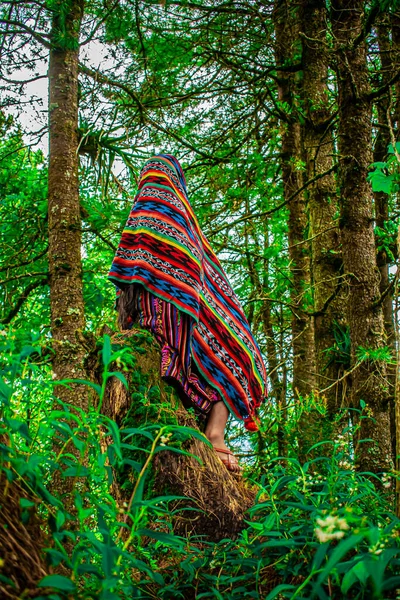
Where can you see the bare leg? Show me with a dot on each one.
(215, 431)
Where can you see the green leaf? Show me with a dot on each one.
(278, 589)
(8, 581)
(107, 560)
(361, 571)
(25, 503)
(323, 443)
(130, 431)
(119, 376)
(339, 552)
(87, 568)
(356, 573)
(166, 538)
(391, 150)
(115, 434)
(58, 582)
(320, 554)
(106, 351)
(381, 182)
(136, 466)
(55, 557)
(158, 578)
(5, 392)
(138, 497)
(391, 583)
(193, 433)
(20, 427)
(60, 519)
(76, 471)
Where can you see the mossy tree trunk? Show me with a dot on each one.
(21, 543)
(65, 266)
(326, 258)
(364, 311)
(389, 55)
(288, 51)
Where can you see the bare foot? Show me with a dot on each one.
(215, 431)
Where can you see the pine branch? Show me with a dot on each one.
(24, 29)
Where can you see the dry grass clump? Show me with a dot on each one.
(22, 564)
(218, 497)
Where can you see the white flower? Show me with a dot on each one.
(322, 536)
(331, 528)
(328, 523)
(325, 536)
(375, 550)
(342, 524)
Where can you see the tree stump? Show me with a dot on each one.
(215, 499)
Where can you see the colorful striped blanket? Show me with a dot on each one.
(163, 249)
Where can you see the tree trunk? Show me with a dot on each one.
(364, 312)
(397, 395)
(395, 22)
(287, 44)
(215, 499)
(383, 139)
(278, 391)
(66, 298)
(287, 28)
(326, 258)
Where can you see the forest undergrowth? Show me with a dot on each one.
(316, 530)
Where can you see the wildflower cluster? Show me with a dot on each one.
(331, 527)
(311, 480)
(165, 439)
(344, 463)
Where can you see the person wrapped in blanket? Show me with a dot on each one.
(169, 279)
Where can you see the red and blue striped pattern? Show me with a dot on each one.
(164, 250)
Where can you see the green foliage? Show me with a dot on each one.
(386, 176)
(99, 559)
(333, 531)
(316, 530)
(386, 239)
(384, 354)
(23, 211)
(340, 352)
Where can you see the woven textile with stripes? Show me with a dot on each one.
(164, 250)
